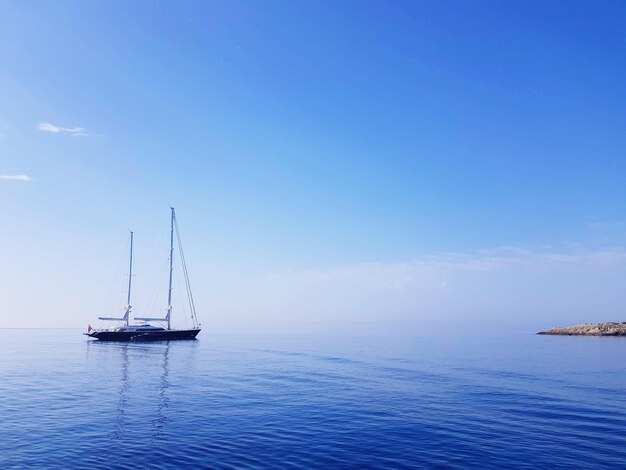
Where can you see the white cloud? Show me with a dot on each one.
(47, 127)
(15, 177)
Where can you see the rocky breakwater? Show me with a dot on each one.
(589, 329)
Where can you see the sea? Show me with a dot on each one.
(428, 400)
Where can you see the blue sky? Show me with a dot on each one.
(333, 163)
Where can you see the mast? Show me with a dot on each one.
(130, 280)
(169, 292)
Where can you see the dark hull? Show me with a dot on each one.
(160, 335)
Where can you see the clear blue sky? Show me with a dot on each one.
(332, 163)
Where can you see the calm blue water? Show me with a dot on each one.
(234, 402)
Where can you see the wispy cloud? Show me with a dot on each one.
(501, 284)
(47, 127)
(15, 177)
(3, 127)
(606, 225)
(398, 275)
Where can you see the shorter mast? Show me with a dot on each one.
(169, 292)
(130, 280)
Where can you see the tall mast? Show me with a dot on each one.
(169, 292)
(130, 280)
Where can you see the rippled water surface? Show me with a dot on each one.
(234, 402)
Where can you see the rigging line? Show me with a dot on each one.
(117, 284)
(178, 295)
(192, 305)
(157, 288)
(154, 265)
(187, 286)
(194, 316)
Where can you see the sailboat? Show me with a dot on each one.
(143, 331)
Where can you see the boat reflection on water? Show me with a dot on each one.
(123, 395)
(160, 420)
(142, 390)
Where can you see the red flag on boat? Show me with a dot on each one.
(89, 328)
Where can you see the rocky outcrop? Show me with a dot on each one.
(589, 329)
